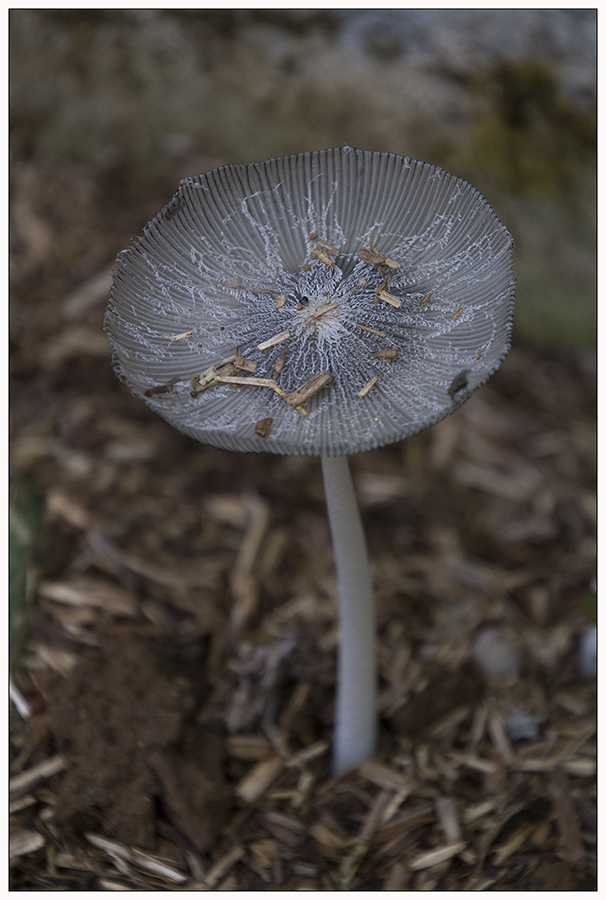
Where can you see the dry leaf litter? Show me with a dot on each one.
(178, 678)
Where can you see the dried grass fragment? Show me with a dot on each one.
(334, 251)
(272, 341)
(279, 363)
(202, 382)
(390, 298)
(371, 330)
(368, 386)
(280, 301)
(457, 312)
(386, 354)
(179, 337)
(245, 365)
(324, 257)
(374, 258)
(324, 309)
(254, 382)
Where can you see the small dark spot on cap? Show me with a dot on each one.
(458, 382)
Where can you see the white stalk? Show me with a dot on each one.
(356, 701)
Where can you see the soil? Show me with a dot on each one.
(123, 724)
(179, 658)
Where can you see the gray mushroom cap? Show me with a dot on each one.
(387, 278)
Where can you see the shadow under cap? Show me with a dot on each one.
(389, 275)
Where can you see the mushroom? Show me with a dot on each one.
(320, 304)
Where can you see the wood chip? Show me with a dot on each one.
(143, 860)
(565, 815)
(279, 363)
(334, 251)
(478, 810)
(25, 781)
(457, 312)
(372, 330)
(449, 819)
(374, 816)
(157, 867)
(498, 735)
(324, 257)
(262, 427)
(307, 754)
(21, 704)
(439, 855)
(202, 382)
(307, 390)
(374, 258)
(249, 747)
(243, 583)
(162, 388)
(256, 782)
(90, 591)
(327, 837)
(397, 880)
(386, 354)
(280, 301)
(23, 842)
(289, 822)
(367, 387)
(513, 843)
(425, 300)
(272, 341)
(383, 776)
(389, 298)
(371, 257)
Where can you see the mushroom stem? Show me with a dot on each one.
(356, 702)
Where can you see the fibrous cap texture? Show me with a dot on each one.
(318, 304)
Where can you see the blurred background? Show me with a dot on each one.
(128, 538)
(503, 98)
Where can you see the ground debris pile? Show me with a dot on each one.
(178, 675)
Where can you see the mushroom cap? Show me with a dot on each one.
(388, 277)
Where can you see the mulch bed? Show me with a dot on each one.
(179, 666)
